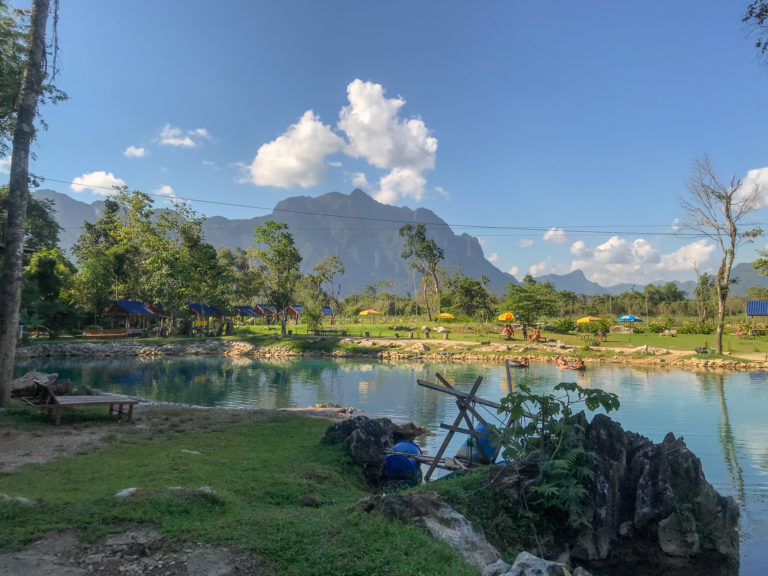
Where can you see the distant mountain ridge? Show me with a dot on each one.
(360, 230)
(364, 234)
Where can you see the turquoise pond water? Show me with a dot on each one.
(722, 416)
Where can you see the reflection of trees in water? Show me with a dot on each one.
(716, 381)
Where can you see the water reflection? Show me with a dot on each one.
(721, 416)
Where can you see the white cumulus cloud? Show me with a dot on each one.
(620, 260)
(514, 271)
(134, 152)
(173, 136)
(546, 267)
(493, 257)
(375, 132)
(99, 182)
(359, 180)
(297, 157)
(165, 190)
(400, 183)
(525, 243)
(757, 180)
(556, 236)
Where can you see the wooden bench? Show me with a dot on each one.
(46, 401)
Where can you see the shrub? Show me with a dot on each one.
(563, 325)
(695, 328)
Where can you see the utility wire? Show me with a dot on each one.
(575, 229)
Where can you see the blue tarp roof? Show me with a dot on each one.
(128, 307)
(296, 308)
(265, 309)
(200, 309)
(219, 311)
(327, 311)
(247, 311)
(757, 307)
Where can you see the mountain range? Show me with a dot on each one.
(364, 234)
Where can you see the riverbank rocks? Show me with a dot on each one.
(649, 507)
(438, 518)
(367, 439)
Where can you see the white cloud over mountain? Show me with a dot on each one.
(297, 157)
(525, 243)
(99, 182)
(372, 130)
(619, 260)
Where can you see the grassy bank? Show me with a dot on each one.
(279, 493)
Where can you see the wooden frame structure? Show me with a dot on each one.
(467, 405)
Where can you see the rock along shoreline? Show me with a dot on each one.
(396, 351)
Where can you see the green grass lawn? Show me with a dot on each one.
(260, 470)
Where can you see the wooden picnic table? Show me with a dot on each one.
(47, 401)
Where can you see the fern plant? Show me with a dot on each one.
(544, 423)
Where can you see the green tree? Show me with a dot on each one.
(531, 302)
(280, 260)
(41, 228)
(48, 278)
(468, 297)
(425, 255)
(716, 210)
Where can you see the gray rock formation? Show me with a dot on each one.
(650, 508)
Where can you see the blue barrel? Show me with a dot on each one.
(397, 466)
(485, 442)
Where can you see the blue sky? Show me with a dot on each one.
(570, 126)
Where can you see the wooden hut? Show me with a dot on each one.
(134, 312)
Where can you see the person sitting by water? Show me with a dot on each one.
(524, 361)
(535, 335)
(578, 364)
(739, 332)
(508, 332)
(561, 362)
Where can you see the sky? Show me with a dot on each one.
(561, 134)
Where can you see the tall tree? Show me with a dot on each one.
(280, 261)
(717, 209)
(426, 256)
(531, 302)
(18, 197)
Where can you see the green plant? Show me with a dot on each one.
(563, 325)
(544, 423)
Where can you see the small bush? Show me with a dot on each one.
(563, 325)
(695, 328)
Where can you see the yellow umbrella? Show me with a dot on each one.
(445, 316)
(370, 313)
(507, 317)
(588, 319)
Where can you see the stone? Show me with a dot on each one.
(30, 378)
(191, 452)
(441, 521)
(126, 492)
(206, 490)
(527, 564)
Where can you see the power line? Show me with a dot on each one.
(573, 229)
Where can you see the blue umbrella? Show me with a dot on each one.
(629, 318)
